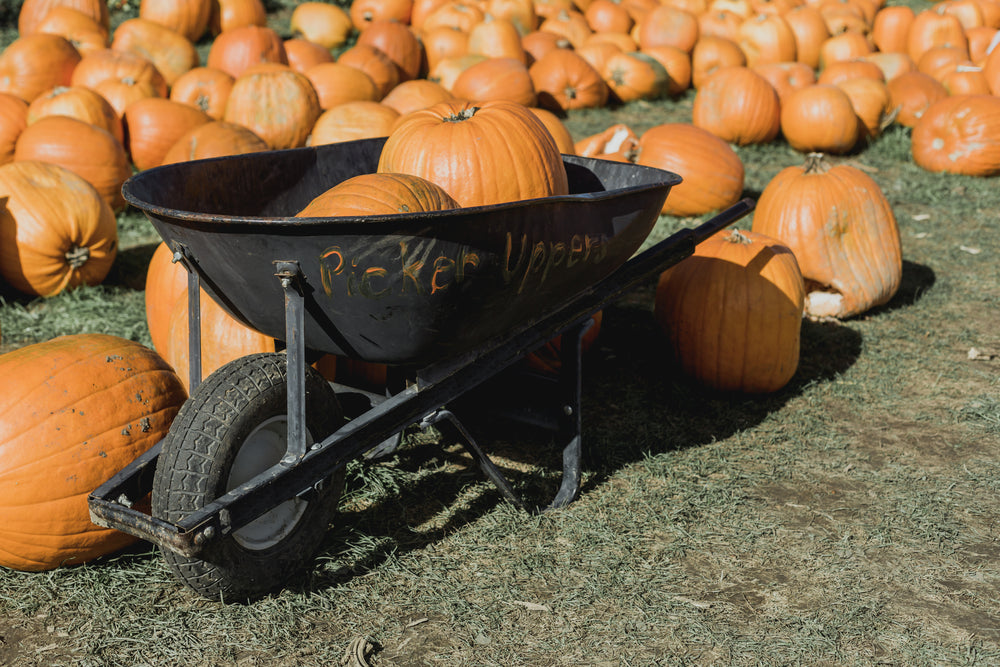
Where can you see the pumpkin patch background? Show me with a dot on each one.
(850, 517)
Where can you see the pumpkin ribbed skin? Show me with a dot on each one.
(738, 105)
(733, 312)
(155, 124)
(32, 64)
(75, 410)
(959, 134)
(78, 102)
(481, 154)
(13, 120)
(379, 194)
(842, 230)
(56, 232)
(277, 103)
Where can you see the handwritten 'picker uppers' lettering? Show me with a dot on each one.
(523, 264)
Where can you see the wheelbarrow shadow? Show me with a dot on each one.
(636, 402)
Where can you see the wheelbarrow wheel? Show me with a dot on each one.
(232, 428)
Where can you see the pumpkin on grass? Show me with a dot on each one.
(733, 312)
(74, 411)
(480, 154)
(959, 134)
(56, 232)
(712, 171)
(842, 230)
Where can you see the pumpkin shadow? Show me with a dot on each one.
(917, 279)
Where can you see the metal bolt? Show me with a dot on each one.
(568, 410)
(205, 535)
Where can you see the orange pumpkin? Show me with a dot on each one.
(336, 83)
(416, 94)
(87, 150)
(277, 103)
(230, 14)
(375, 63)
(398, 42)
(820, 118)
(959, 134)
(347, 121)
(842, 230)
(13, 120)
(188, 18)
(236, 50)
(204, 88)
(712, 171)
(480, 154)
(77, 102)
(496, 79)
(810, 31)
(872, 103)
(767, 39)
(223, 338)
(166, 281)
(56, 232)
(738, 105)
(363, 12)
(733, 312)
(912, 93)
(712, 53)
(33, 64)
(154, 125)
(635, 76)
(667, 26)
(379, 194)
(216, 138)
(617, 142)
(496, 38)
(891, 27)
(560, 133)
(564, 81)
(33, 12)
(303, 54)
(325, 24)
(119, 66)
(82, 31)
(934, 27)
(87, 406)
(171, 53)
(786, 77)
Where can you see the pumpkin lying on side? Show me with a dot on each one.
(74, 411)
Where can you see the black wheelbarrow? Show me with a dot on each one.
(245, 484)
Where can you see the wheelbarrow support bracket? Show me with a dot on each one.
(290, 275)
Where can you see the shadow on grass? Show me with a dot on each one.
(130, 267)
(635, 403)
(916, 281)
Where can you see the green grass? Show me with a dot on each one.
(849, 519)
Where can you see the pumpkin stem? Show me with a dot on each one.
(77, 256)
(464, 114)
(816, 163)
(737, 236)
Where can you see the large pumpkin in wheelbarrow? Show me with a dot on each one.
(74, 411)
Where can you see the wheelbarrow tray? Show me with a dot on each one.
(407, 289)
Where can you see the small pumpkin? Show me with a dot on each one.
(76, 410)
(732, 312)
(379, 194)
(33, 64)
(336, 83)
(56, 231)
(913, 93)
(480, 154)
(496, 79)
(564, 81)
(843, 232)
(33, 12)
(230, 14)
(398, 42)
(416, 94)
(78, 102)
(171, 53)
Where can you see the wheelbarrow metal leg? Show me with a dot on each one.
(570, 421)
(289, 273)
(183, 255)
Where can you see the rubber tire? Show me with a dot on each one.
(194, 464)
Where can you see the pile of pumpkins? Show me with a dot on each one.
(81, 108)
